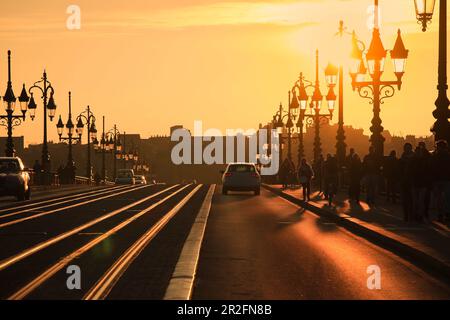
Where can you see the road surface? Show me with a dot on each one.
(128, 242)
(267, 248)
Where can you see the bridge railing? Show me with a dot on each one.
(53, 179)
(83, 180)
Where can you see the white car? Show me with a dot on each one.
(140, 180)
(241, 177)
(125, 176)
(14, 179)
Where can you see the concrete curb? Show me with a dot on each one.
(182, 280)
(429, 263)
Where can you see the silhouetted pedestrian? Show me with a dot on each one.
(391, 174)
(61, 175)
(283, 174)
(292, 175)
(97, 178)
(37, 172)
(347, 165)
(406, 181)
(356, 173)
(330, 177)
(371, 168)
(305, 175)
(318, 172)
(440, 161)
(422, 180)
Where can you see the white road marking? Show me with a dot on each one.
(31, 286)
(182, 280)
(105, 284)
(40, 246)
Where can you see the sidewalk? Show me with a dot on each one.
(428, 244)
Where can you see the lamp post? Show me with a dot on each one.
(10, 120)
(109, 143)
(341, 146)
(115, 147)
(314, 100)
(47, 91)
(102, 147)
(130, 156)
(123, 155)
(142, 167)
(377, 90)
(69, 138)
(300, 112)
(424, 13)
(278, 123)
(88, 118)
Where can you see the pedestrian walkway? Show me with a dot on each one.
(385, 220)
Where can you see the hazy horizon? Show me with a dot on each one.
(148, 65)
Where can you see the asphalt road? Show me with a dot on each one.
(39, 241)
(128, 241)
(267, 248)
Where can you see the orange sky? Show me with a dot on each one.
(151, 64)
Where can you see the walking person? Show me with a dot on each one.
(330, 178)
(347, 168)
(421, 183)
(355, 174)
(283, 174)
(371, 170)
(305, 175)
(440, 161)
(97, 178)
(37, 172)
(61, 174)
(405, 177)
(318, 171)
(292, 176)
(391, 174)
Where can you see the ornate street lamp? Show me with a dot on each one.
(377, 90)
(70, 138)
(103, 148)
(314, 101)
(279, 118)
(332, 79)
(424, 13)
(87, 118)
(49, 106)
(110, 143)
(114, 146)
(122, 154)
(10, 120)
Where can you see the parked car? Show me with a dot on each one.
(14, 178)
(241, 177)
(140, 179)
(125, 176)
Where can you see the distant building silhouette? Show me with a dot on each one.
(18, 144)
(156, 151)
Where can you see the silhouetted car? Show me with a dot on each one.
(14, 178)
(125, 176)
(241, 177)
(140, 180)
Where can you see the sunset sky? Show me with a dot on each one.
(148, 65)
